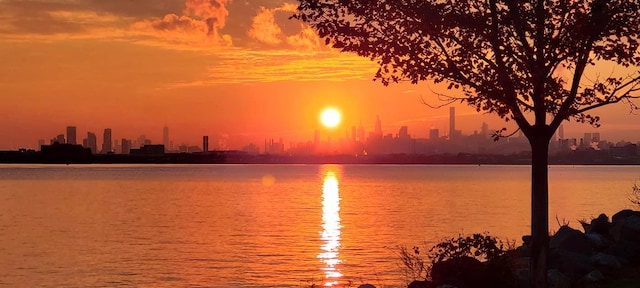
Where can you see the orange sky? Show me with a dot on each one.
(240, 69)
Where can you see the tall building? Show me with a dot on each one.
(205, 144)
(595, 137)
(71, 135)
(361, 132)
(58, 139)
(165, 137)
(106, 141)
(403, 133)
(125, 146)
(484, 130)
(316, 138)
(587, 139)
(378, 127)
(91, 142)
(452, 122)
(434, 134)
(353, 134)
(561, 132)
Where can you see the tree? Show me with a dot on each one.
(525, 61)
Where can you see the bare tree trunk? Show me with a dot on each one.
(539, 211)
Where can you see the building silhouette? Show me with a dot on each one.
(378, 126)
(91, 142)
(125, 146)
(205, 144)
(361, 132)
(452, 122)
(71, 135)
(434, 134)
(165, 137)
(58, 139)
(106, 141)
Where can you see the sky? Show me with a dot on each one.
(230, 69)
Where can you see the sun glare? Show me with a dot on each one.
(330, 117)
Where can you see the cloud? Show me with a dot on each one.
(264, 28)
(244, 66)
(199, 25)
(268, 28)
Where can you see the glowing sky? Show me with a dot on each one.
(225, 68)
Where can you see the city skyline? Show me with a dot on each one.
(138, 66)
(368, 139)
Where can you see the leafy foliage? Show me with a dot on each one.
(635, 194)
(507, 57)
(480, 246)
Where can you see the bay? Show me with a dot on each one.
(267, 225)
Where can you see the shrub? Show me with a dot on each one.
(480, 246)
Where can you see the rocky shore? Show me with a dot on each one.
(605, 254)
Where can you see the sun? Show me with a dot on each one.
(330, 117)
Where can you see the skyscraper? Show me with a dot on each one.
(434, 134)
(361, 132)
(452, 122)
(165, 137)
(91, 142)
(71, 135)
(205, 144)
(106, 141)
(125, 146)
(353, 134)
(378, 128)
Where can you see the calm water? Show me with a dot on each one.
(265, 225)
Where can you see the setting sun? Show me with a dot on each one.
(330, 117)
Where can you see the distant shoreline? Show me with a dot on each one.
(236, 157)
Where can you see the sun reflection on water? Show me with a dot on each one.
(330, 234)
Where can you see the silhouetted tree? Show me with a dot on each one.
(522, 60)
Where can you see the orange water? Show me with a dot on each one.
(265, 225)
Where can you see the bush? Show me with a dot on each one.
(480, 246)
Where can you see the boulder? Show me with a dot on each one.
(523, 251)
(599, 225)
(570, 239)
(627, 251)
(630, 229)
(598, 241)
(421, 284)
(606, 260)
(623, 214)
(556, 279)
(593, 277)
(570, 263)
(461, 272)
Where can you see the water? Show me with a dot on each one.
(266, 225)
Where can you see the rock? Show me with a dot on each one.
(522, 278)
(421, 284)
(570, 263)
(523, 251)
(460, 271)
(625, 250)
(556, 279)
(606, 260)
(570, 239)
(599, 225)
(593, 277)
(630, 229)
(366, 286)
(624, 214)
(598, 241)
